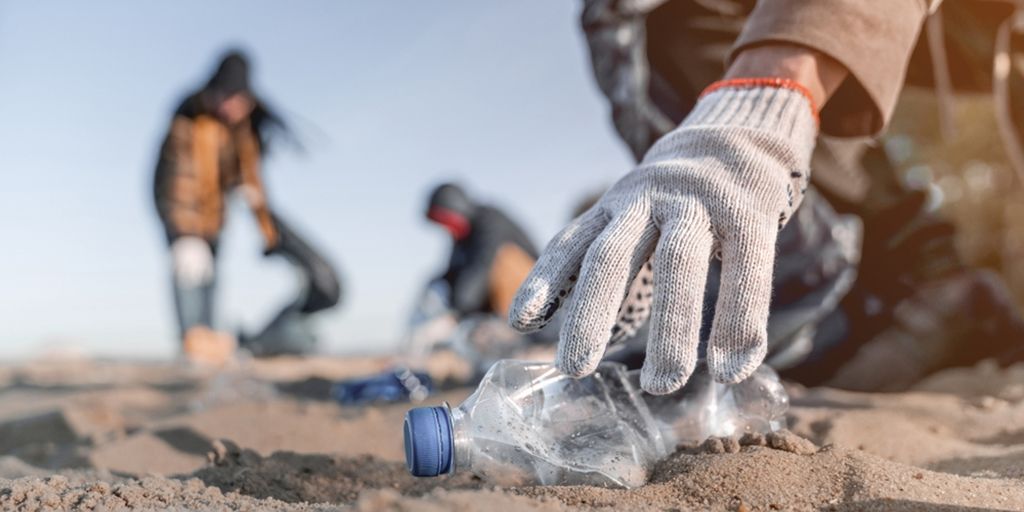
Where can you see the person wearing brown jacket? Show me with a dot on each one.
(214, 146)
(721, 101)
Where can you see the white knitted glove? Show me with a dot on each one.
(724, 182)
(192, 260)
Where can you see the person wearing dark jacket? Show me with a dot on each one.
(216, 140)
(491, 255)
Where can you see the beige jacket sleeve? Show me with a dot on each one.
(873, 39)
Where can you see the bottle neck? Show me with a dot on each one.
(462, 444)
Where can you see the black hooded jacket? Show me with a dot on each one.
(471, 268)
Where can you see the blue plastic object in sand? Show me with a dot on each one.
(395, 385)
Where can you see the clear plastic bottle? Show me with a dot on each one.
(529, 424)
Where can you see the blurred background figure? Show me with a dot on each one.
(491, 254)
(215, 144)
(466, 307)
(464, 311)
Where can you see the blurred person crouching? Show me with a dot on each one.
(491, 254)
(466, 307)
(463, 312)
(215, 144)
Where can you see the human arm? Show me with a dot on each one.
(726, 180)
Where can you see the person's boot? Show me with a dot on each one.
(953, 322)
(203, 346)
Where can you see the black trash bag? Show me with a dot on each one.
(290, 331)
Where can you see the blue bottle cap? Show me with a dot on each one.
(428, 441)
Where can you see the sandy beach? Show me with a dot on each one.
(95, 435)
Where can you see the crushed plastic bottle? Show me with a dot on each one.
(527, 423)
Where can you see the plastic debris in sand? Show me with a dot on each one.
(529, 424)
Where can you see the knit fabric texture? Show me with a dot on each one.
(722, 183)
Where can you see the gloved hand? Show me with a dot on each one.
(192, 260)
(724, 182)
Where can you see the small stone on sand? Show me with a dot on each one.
(787, 441)
(752, 439)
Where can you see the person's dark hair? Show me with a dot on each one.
(231, 77)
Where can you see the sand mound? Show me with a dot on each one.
(762, 478)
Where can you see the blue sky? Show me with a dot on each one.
(389, 96)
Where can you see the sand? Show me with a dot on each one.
(92, 435)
